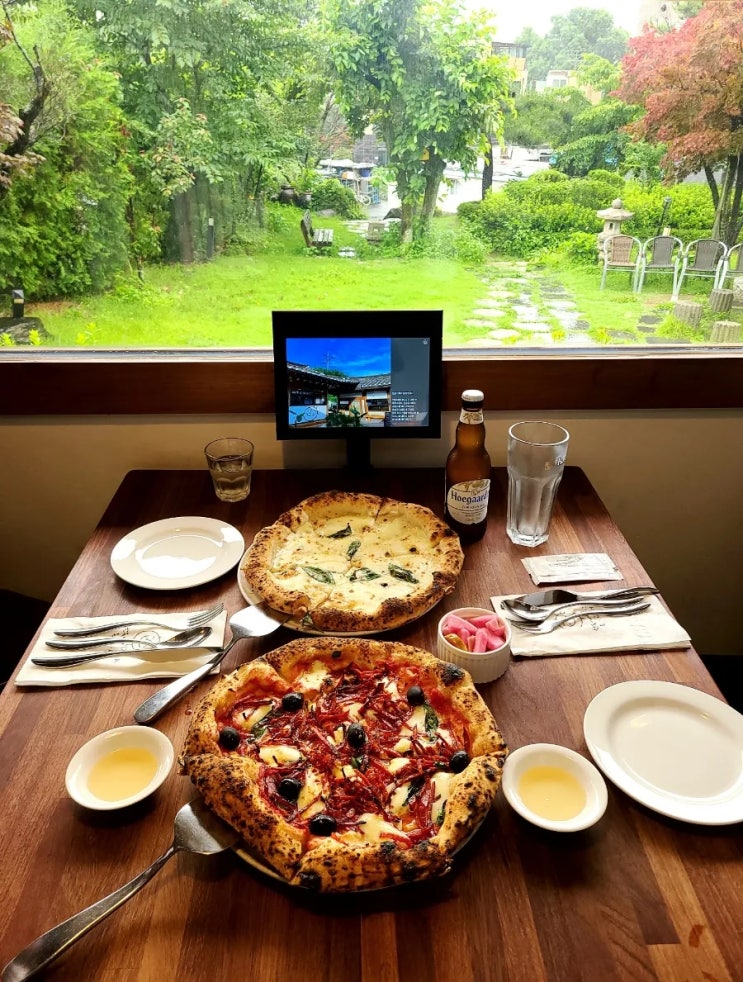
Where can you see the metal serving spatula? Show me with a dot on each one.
(196, 829)
(252, 622)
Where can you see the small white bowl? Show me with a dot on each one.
(121, 738)
(553, 755)
(485, 666)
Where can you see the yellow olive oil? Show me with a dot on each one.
(552, 792)
(122, 773)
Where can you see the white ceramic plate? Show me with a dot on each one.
(177, 553)
(673, 748)
(121, 738)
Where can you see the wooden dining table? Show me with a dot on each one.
(637, 896)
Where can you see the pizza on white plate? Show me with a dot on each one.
(350, 563)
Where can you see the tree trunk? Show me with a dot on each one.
(182, 216)
(487, 171)
(434, 172)
(728, 206)
(406, 222)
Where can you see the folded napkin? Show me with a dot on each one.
(121, 668)
(572, 567)
(653, 629)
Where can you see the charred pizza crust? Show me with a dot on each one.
(343, 562)
(430, 784)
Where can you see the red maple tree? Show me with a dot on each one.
(690, 83)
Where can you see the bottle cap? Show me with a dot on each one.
(473, 396)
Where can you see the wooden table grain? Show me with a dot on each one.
(638, 896)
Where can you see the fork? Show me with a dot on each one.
(544, 627)
(195, 620)
(534, 614)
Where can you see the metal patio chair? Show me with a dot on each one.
(621, 252)
(700, 258)
(660, 254)
(730, 266)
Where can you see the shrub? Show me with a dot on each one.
(520, 228)
(333, 195)
(690, 216)
(579, 249)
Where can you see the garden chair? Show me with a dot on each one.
(660, 254)
(621, 252)
(730, 266)
(700, 258)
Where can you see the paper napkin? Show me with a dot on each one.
(572, 567)
(122, 668)
(653, 629)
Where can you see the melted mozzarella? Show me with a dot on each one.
(311, 789)
(279, 754)
(441, 782)
(373, 828)
(254, 716)
(402, 746)
(397, 764)
(312, 680)
(416, 721)
(399, 797)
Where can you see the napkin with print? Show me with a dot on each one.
(121, 668)
(653, 629)
(572, 567)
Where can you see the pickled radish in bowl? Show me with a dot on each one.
(478, 634)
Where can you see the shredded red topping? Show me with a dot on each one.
(353, 778)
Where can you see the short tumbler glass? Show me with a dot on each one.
(536, 458)
(230, 461)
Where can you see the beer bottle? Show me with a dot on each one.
(468, 472)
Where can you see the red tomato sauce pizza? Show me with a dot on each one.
(347, 764)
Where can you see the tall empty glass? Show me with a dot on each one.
(536, 458)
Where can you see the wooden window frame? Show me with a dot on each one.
(201, 382)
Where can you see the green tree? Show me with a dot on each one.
(580, 31)
(62, 227)
(17, 126)
(544, 118)
(424, 74)
(689, 82)
(234, 84)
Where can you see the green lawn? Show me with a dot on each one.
(228, 302)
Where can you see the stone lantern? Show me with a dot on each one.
(612, 219)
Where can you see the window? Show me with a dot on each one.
(532, 333)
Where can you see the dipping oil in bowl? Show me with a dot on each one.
(119, 767)
(552, 792)
(122, 773)
(554, 787)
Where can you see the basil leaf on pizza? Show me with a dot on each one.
(349, 563)
(335, 772)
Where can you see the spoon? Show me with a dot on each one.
(186, 640)
(251, 622)
(525, 612)
(196, 829)
(559, 596)
(80, 644)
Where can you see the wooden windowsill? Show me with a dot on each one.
(48, 383)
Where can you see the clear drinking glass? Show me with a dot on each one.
(230, 461)
(536, 458)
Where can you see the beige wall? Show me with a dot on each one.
(672, 481)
